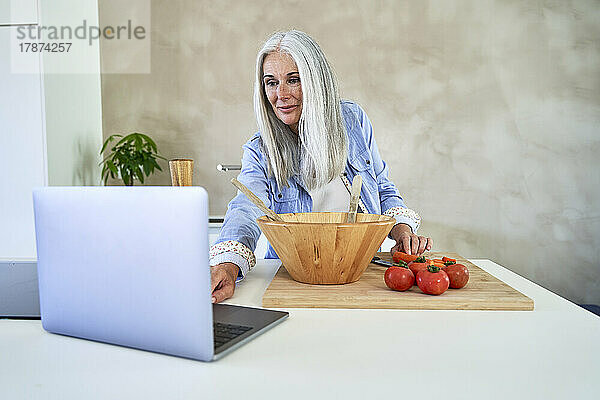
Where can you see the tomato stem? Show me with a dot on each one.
(433, 268)
(402, 264)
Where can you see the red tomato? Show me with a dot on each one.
(400, 256)
(399, 278)
(450, 260)
(433, 280)
(419, 264)
(458, 275)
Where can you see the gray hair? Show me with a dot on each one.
(318, 152)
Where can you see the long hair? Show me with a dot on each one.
(318, 152)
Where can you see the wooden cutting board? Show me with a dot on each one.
(483, 292)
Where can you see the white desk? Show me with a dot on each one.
(550, 353)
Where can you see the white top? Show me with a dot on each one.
(332, 197)
(549, 353)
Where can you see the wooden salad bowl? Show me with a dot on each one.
(322, 248)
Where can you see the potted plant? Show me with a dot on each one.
(132, 157)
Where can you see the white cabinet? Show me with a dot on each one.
(22, 151)
(18, 12)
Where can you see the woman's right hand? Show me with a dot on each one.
(223, 278)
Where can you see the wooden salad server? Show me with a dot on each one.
(254, 198)
(354, 197)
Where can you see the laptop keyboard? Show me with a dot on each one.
(224, 333)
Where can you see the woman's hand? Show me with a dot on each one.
(408, 242)
(223, 278)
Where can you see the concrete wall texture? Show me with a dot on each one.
(487, 112)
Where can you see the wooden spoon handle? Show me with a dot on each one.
(354, 197)
(254, 198)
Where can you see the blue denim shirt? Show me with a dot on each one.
(378, 193)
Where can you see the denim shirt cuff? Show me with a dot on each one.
(233, 258)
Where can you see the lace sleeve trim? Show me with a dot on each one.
(234, 247)
(404, 212)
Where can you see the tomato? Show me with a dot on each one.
(433, 280)
(458, 275)
(399, 278)
(446, 259)
(400, 256)
(419, 264)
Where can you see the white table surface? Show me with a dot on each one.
(552, 352)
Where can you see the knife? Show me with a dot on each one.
(379, 261)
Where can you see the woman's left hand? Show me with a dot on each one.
(408, 242)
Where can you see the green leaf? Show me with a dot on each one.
(138, 143)
(156, 165)
(139, 174)
(124, 140)
(112, 166)
(147, 167)
(107, 141)
(120, 158)
(149, 141)
(124, 175)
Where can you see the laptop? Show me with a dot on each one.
(129, 266)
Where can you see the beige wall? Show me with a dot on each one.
(488, 112)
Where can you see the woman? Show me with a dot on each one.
(309, 147)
